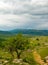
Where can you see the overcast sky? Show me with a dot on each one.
(23, 14)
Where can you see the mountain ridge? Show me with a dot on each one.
(25, 31)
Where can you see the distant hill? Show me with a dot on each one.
(25, 31)
(5, 32)
(30, 31)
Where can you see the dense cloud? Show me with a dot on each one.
(23, 14)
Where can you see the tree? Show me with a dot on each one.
(1, 42)
(17, 44)
(9, 46)
(22, 43)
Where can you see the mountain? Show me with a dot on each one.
(25, 31)
(30, 31)
(5, 32)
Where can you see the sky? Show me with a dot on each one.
(23, 14)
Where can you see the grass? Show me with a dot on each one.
(43, 52)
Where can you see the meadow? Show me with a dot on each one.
(23, 50)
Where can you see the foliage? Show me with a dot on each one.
(21, 46)
(17, 44)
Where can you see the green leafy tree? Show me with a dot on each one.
(9, 45)
(21, 44)
(17, 44)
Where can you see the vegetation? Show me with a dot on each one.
(19, 49)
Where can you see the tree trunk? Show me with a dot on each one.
(18, 54)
